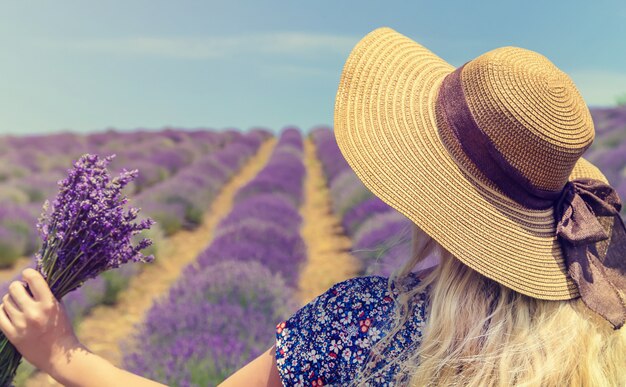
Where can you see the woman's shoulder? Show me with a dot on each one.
(359, 287)
(379, 283)
(329, 338)
(372, 290)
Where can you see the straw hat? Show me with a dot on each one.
(395, 133)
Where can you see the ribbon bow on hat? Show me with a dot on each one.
(600, 275)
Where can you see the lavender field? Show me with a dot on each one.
(231, 254)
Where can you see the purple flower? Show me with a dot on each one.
(267, 207)
(356, 215)
(88, 231)
(283, 173)
(19, 222)
(181, 200)
(82, 300)
(214, 321)
(347, 191)
(328, 152)
(279, 248)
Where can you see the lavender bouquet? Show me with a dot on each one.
(87, 232)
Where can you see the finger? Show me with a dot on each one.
(37, 285)
(5, 324)
(23, 300)
(17, 317)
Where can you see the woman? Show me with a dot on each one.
(486, 162)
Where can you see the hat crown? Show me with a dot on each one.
(531, 111)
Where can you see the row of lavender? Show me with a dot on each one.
(180, 202)
(381, 236)
(30, 167)
(168, 149)
(222, 311)
(183, 187)
(608, 150)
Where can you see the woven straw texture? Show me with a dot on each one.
(386, 121)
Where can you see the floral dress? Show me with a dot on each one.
(327, 341)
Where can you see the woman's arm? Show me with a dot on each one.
(260, 372)
(39, 328)
(80, 367)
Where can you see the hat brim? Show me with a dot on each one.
(386, 128)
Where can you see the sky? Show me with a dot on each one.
(86, 66)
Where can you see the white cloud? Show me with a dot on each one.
(298, 70)
(288, 43)
(599, 88)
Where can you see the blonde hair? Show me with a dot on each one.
(480, 333)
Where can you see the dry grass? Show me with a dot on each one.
(328, 261)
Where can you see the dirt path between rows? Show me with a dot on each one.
(15, 270)
(103, 329)
(328, 261)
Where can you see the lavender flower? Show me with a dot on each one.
(88, 232)
(17, 232)
(355, 216)
(213, 321)
(181, 200)
(328, 152)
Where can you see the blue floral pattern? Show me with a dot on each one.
(327, 341)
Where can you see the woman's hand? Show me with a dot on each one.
(37, 325)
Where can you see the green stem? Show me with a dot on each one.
(59, 276)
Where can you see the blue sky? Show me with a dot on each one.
(86, 66)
